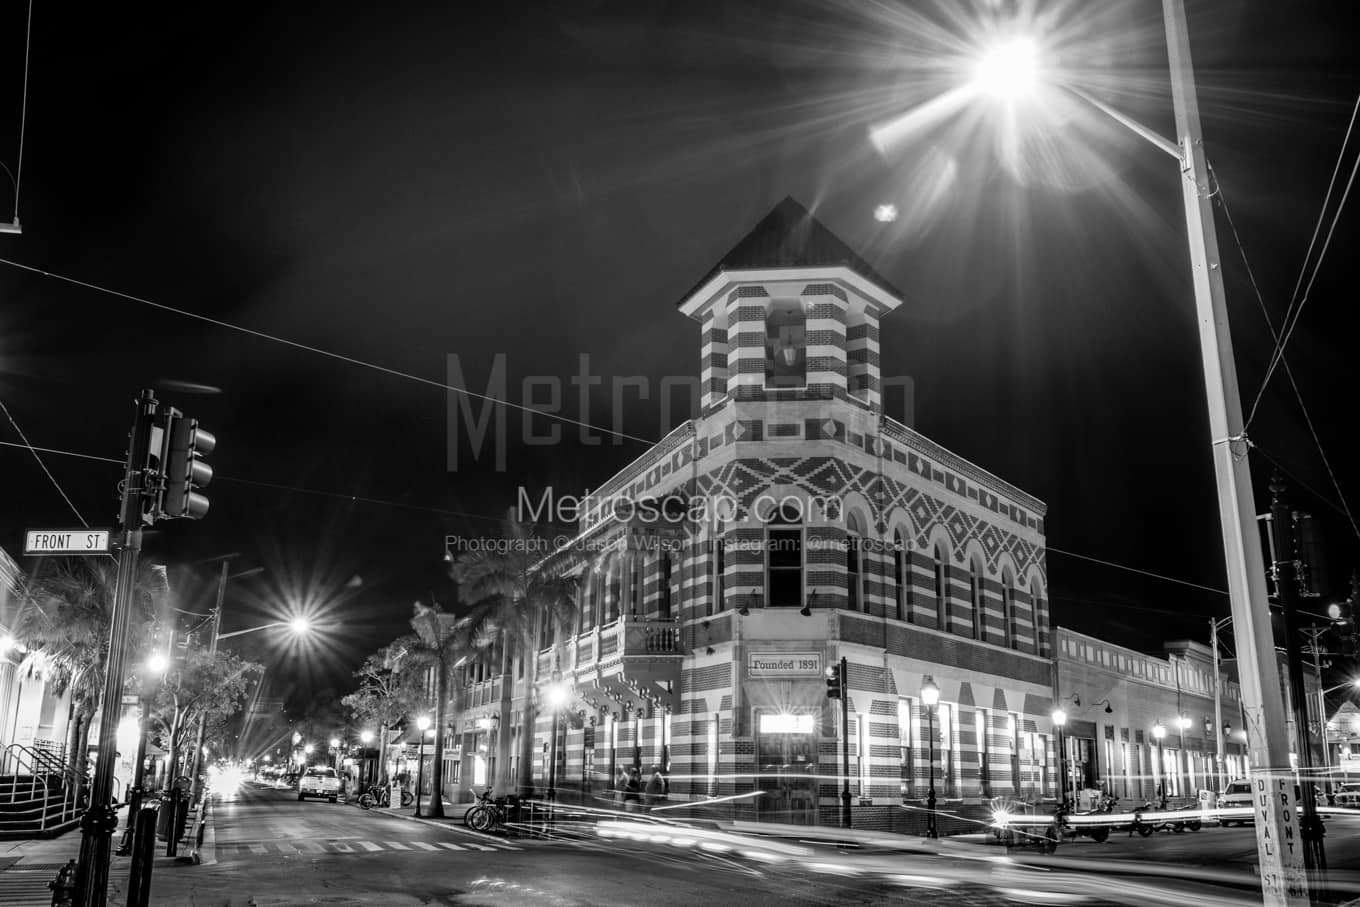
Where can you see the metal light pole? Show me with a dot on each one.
(930, 696)
(1059, 721)
(557, 697)
(423, 723)
(1283, 879)
(1159, 732)
(845, 743)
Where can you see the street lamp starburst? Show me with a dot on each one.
(1009, 69)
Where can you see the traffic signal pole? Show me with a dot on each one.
(845, 745)
(196, 789)
(101, 817)
(1286, 587)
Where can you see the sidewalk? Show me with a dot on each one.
(27, 866)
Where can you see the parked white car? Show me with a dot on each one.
(1348, 794)
(319, 781)
(1236, 796)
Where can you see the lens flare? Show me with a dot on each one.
(1009, 70)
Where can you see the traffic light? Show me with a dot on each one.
(833, 682)
(185, 472)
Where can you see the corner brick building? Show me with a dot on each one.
(805, 527)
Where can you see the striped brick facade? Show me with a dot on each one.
(750, 725)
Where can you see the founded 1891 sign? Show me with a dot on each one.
(783, 664)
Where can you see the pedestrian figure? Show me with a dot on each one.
(621, 784)
(656, 786)
(633, 789)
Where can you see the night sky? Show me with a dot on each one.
(545, 181)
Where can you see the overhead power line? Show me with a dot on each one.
(263, 335)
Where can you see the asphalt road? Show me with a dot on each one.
(272, 850)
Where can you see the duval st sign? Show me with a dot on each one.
(41, 542)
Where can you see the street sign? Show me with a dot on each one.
(66, 541)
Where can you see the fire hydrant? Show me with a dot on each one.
(64, 885)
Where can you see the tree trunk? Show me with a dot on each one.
(436, 807)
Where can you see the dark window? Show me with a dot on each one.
(900, 577)
(664, 593)
(975, 596)
(784, 559)
(852, 571)
(719, 567)
(942, 617)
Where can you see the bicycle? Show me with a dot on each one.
(488, 813)
(382, 796)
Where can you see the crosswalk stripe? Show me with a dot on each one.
(370, 846)
(258, 848)
(482, 846)
(424, 846)
(311, 847)
(25, 889)
(285, 847)
(446, 845)
(396, 845)
(342, 848)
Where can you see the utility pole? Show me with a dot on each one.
(1287, 590)
(1314, 635)
(1283, 879)
(101, 818)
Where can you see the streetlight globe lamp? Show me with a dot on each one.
(157, 663)
(930, 697)
(1009, 69)
(300, 625)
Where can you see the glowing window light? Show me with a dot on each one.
(785, 723)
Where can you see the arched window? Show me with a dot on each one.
(943, 619)
(1036, 605)
(901, 577)
(785, 344)
(784, 557)
(853, 562)
(718, 550)
(975, 597)
(614, 588)
(635, 598)
(1008, 606)
(663, 606)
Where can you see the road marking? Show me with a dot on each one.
(342, 848)
(449, 846)
(258, 848)
(396, 845)
(424, 846)
(370, 846)
(485, 847)
(285, 847)
(311, 847)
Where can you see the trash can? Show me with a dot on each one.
(174, 811)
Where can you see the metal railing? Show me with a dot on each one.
(29, 774)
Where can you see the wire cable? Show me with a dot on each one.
(1294, 310)
(358, 499)
(478, 516)
(31, 449)
(1162, 576)
(322, 352)
(1344, 507)
(23, 112)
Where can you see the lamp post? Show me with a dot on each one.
(423, 722)
(1059, 721)
(1283, 877)
(557, 697)
(156, 665)
(366, 738)
(930, 696)
(1158, 733)
(335, 754)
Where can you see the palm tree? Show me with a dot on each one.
(514, 602)
(441, 643)
(64, 621)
